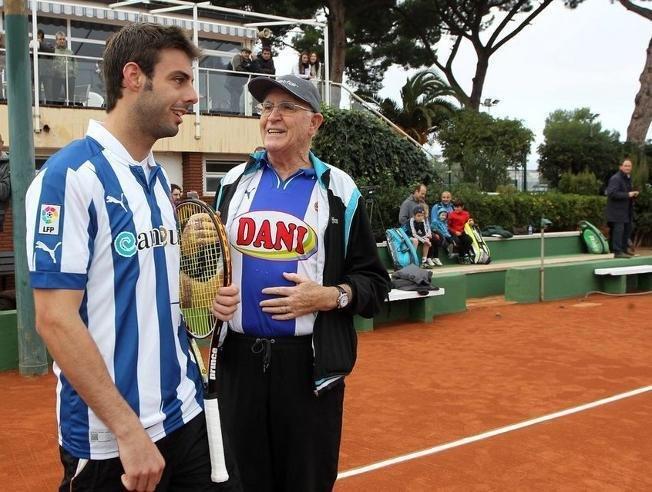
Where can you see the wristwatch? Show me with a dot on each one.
(342, 299)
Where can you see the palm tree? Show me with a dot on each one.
(424, 105)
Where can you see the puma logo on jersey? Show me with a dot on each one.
(110, 199)
(44, 247)
(248, 192)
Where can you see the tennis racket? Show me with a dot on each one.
(205, 267)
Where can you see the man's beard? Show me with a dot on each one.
(151, 117)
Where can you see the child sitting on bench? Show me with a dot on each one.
(456, 221)
(418, 231)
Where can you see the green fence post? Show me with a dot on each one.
(32, 358)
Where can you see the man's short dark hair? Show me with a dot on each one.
(418, 186)
(266, 48)
(174, 187)
(140, 43)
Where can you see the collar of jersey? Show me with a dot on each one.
(257, 161)
(99, 133)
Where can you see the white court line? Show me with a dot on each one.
(486, 435)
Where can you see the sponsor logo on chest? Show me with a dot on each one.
(271, 235)
(126, 244)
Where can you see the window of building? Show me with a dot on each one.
(214, 171)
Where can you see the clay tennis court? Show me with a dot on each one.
(586, 364)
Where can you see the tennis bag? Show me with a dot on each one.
(480, 253)
(496, 231)
(595, 241)
(401, 248)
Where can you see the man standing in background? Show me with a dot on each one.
(620, 209)
(64, 70)
(235, 83)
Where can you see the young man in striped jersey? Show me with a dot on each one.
(306, 262)
(104, 264)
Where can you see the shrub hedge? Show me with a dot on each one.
(513, 211)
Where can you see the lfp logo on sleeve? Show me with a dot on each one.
(49, 219)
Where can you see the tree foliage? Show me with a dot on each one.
(515, 211)
(424, 105)
(574, 143)
(367, 149)
(373, 155)
(420, 24)
(352, 26)
(304, 9)
(485, 147)
(584, 183)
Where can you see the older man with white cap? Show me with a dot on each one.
(305, 262)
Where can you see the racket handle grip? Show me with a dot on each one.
(215, 441)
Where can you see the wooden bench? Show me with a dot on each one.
(614, 279)
(7, 267)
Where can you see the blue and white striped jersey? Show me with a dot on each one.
(98, 222)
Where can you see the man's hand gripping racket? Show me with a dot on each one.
(205, 267)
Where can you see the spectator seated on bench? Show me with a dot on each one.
(439, 228)
(456, 221)
(418, 230)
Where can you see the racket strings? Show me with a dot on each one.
(202, 270)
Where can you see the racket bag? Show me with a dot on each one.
(480, 253)
(594, 240)
(401, 249)
(496, 231)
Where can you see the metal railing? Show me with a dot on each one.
(73, 80)
(346, 98)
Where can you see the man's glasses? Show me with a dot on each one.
(284, 107)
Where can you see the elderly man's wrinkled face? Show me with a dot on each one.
(420, 194)
(288, 133)
(60, 41)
